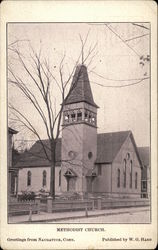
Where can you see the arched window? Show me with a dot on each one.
(124, 173)
(128, 156)
(73, 116)
(79, 116)
(118, 177)
(66, 117)
(136, 180)
(44, 180)
(90, 117)
(59, 178)
(86, 116)
(130, 174)
(94, 119)
(29, 178)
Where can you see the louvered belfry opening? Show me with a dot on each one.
(80, 92)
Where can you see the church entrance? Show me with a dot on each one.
(71, 180)
(89, 184)
(71, 184)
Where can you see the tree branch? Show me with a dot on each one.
(30, 127)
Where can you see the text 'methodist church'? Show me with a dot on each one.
(105, 164)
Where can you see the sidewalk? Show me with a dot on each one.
(59, 216)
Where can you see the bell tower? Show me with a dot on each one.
(79, 135)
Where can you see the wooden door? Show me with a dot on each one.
(71, 184)
(89, 185)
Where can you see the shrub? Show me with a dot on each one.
(26, 196)
(43, 193)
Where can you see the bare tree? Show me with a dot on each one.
(36, 86)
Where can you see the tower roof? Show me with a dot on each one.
(80, 90)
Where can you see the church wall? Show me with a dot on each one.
(81, 139)
(118, 163)
(89, 151)
(36, 179)
(72, 140)
(89, 146)
(63, 179)
(102, 183)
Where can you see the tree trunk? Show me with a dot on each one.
(52, 175)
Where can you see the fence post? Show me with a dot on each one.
(49, 204)
(99, 204)
(86, 210)
(38, 201)
(30, 212)
(92, 204)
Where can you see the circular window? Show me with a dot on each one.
(71, 154)
(90, 155)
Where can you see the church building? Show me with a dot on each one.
(87, 163)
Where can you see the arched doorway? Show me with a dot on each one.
(71, 177)
(71, 184)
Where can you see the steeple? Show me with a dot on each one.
(80, 90)
(79, 136)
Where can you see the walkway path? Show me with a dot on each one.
(43, 217)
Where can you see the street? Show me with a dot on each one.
(131, 217)
(119, 215)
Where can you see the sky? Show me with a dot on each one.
(118, 56)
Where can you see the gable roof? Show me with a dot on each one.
(35, 156)
(80, 90)
(144, 153)
(70, 172)
(108, 145)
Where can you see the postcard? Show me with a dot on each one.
(78, 125)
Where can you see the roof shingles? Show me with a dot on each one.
(80, 90)
(108, 145)
(36, 155)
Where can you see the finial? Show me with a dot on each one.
(82, 56)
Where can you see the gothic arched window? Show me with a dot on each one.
(44, 180)
(124, 173)
(131, 174)
(59, 178)
(118, 177)
(29, 178)
(136, 180)
(128, 156)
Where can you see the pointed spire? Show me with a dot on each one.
(80, 90)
